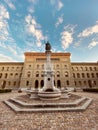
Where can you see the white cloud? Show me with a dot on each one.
(89, 31)
(10, 4)
(3, 13)
(33, 1)
(4, 58)
(67, 36)
(4, 16)
(59, 21)
(57, 4)
(31, 9)
(93, 44)
(34, 28)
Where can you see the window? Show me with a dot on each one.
(11, 74)
(2, 68)
(86, 68)
(84, 82)
(6, 75)
(37, 74)
(28, 74)
(9, 83)
(91, 68)
(65, 66)
(97, 75)
(66, 74)
(7, 68)
(57, 66)
(16, 74)
(81, 68)
(0, 75)
(80, 83)
(88, 75)
(12, 68)
(29, 66)
(95, 68)
(76, 68)
(14, 83)
(67, 82)
(78, 75)
(83, 76)
(42, 74)
(74, 75)
(75, 83)
(58, 74)
(92, 75)
(37, 66)
(42, 66)
(94, 82)
(27, 83)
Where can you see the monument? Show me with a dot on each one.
(49, 91)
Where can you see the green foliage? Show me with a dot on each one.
(91, 90)
(5, 90)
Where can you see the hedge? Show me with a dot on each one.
(91, 90)
(5, 90)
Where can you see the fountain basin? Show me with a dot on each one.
(49, 95)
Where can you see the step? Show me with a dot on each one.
(50, 109)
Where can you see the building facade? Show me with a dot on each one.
(30, 73)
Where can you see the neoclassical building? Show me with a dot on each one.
(30, 73)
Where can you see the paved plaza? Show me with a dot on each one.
(86, 120)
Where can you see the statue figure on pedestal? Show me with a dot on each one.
(48, 46)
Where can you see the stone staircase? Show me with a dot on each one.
(20, 106)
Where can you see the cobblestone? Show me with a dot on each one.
(86, 120)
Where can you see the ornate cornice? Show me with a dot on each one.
(43, 54)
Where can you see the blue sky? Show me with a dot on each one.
(69, 26)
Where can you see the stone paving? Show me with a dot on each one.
(87, 120)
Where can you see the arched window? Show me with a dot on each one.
(0, 75)
(81, 68)
(4, 84)
(80, 83)
(90, 68)
(86, 68)
(66, 74)
(57, 66)
(95, 68)
(27, 83)
(75, 83)
(36, 84)
(88, 75)
(2, 68)
(14, 83)
(42, 66)
(37, 73)
(78, 75)
(74, 75)
(92, 75)
(42, 83)
(6, 75)
(83, 76)
(97, 75)
(58, 83)
(58, 74)
(84, 82)
(28, 74)
(67, 82)
(37, 66)
(77, 68)
(42, 74)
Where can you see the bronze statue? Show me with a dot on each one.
(48, 46)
